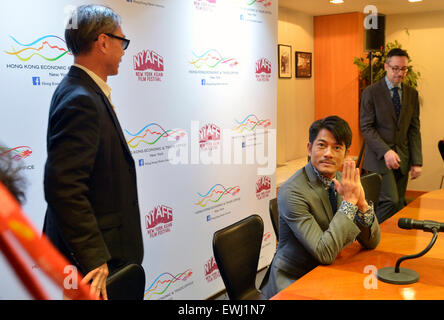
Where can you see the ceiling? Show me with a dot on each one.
(324, 7)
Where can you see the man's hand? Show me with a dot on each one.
(415, 172)
(392, 159)
(98, 277)
(350, 188)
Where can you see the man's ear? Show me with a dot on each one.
(309, 146)
(102, 42)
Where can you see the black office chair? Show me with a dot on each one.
(236, 251)
(274, 215)
(371, 183)
(128, 283)
(441, 150)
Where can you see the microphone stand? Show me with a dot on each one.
(399, 275)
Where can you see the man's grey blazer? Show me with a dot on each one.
(382, 130)
(309, 232)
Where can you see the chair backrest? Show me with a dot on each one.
(274, 215)
(236, 251)
(441, 148)
(371, 183)
(128, 283)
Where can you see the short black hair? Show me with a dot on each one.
(338, 127)
(397, 52)
(10, 176)
(86, 23)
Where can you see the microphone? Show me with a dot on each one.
(398, 275)
(426, 225)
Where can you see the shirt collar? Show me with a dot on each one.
(326, 182)
(99, 81)
(390, 85)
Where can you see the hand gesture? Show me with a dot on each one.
(98, 277)
(350, 188)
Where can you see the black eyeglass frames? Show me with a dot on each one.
(125, 42)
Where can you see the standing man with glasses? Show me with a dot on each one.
(90, 178)
(389, 120)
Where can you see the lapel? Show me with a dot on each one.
(319, 190)
(389, 102)
(77, 72)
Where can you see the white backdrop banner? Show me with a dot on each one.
(196, 99)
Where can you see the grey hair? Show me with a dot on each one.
(86, 23)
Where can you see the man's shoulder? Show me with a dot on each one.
(296, 182)
(375, 86)
(75, 85)
(408, 88)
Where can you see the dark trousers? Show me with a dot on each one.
(392, 195)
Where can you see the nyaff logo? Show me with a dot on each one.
(263, 187)
(209, 137)
(149, 66)
(211, 270)
(263, 70)
(159, 221)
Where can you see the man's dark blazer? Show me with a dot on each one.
(310, 233)
(90, 178)
(382, 130)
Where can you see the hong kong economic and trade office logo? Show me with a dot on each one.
(149, 66)
(48, 48)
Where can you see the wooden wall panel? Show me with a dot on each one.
(337, 40)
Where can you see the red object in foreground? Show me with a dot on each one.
(13, 222)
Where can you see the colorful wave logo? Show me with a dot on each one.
(45, 47)
(19, 153)
(212, 59)
(163, 282)
(216, 193)
(265, 3)
(250, 123)
(152, 133)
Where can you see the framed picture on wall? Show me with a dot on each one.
(284, 56)
(303, 64)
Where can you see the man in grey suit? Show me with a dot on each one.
(389, 120)
(321, 210)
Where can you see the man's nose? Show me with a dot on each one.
(328, 152)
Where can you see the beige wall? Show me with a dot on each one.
(425, 46)
(295, 105)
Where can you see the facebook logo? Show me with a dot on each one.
(35, 81)
(141, 162)
(203, 82)
(208, 218)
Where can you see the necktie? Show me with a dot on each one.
(396, 101)
(332, 197)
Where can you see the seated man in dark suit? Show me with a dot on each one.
(321, 210)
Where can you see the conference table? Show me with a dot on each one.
(353, 274)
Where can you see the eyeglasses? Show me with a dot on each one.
(398, 69)
(125, 42)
